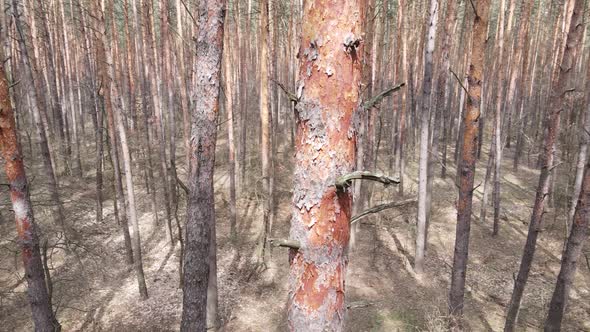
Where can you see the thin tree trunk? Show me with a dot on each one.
(200, 226)
(39, 299)
(467, 163)
(582, 157)
(265, 129)
(138, 263)
(33, 91)
(556, 106)
(424, 154)
(498, 122)
(229, 84)
(105, 74)
(569, 261)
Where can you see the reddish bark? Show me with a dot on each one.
(330, 73)
(467, 161)
(25, 222)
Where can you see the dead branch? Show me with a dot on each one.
(182, 185)
(345, 181)
(382, 207)
(458, 80)
(377, 99)
(292, 97)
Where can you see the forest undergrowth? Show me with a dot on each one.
(94, 292)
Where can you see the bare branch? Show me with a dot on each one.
(474, 10)
(182, 185)
(377, 99)
(345, 181)
(382, 207)
(189, 13)
(458, 80)
(292, 97)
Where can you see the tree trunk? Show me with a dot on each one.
(325, 149)
(569, 261)
(105, 74)
(138, 263)
(498, 121)
(424, 153)
(40, 301)
(467, 162)
(582, 157)
(265, 129)
(229, 108)
(33, 91)
(200, 225)
(557, 105)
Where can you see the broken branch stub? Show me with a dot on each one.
(286, 243)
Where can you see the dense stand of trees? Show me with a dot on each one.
(133, 94)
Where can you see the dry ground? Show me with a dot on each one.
(96, 291)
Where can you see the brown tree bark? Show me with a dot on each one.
(467, 163)
(557, 105)
(40, 301)
(200, 225)
(330, 73)
(569, 261)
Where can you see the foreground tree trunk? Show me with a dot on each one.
(14, 167)
(466, 166)
(557, 105)
(330, 74)
(200, 224)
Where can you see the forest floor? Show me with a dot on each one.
(95, 290)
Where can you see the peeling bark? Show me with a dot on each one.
(330, 74)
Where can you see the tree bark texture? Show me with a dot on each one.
(201, 210)
(467, 161)
(328, 92)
